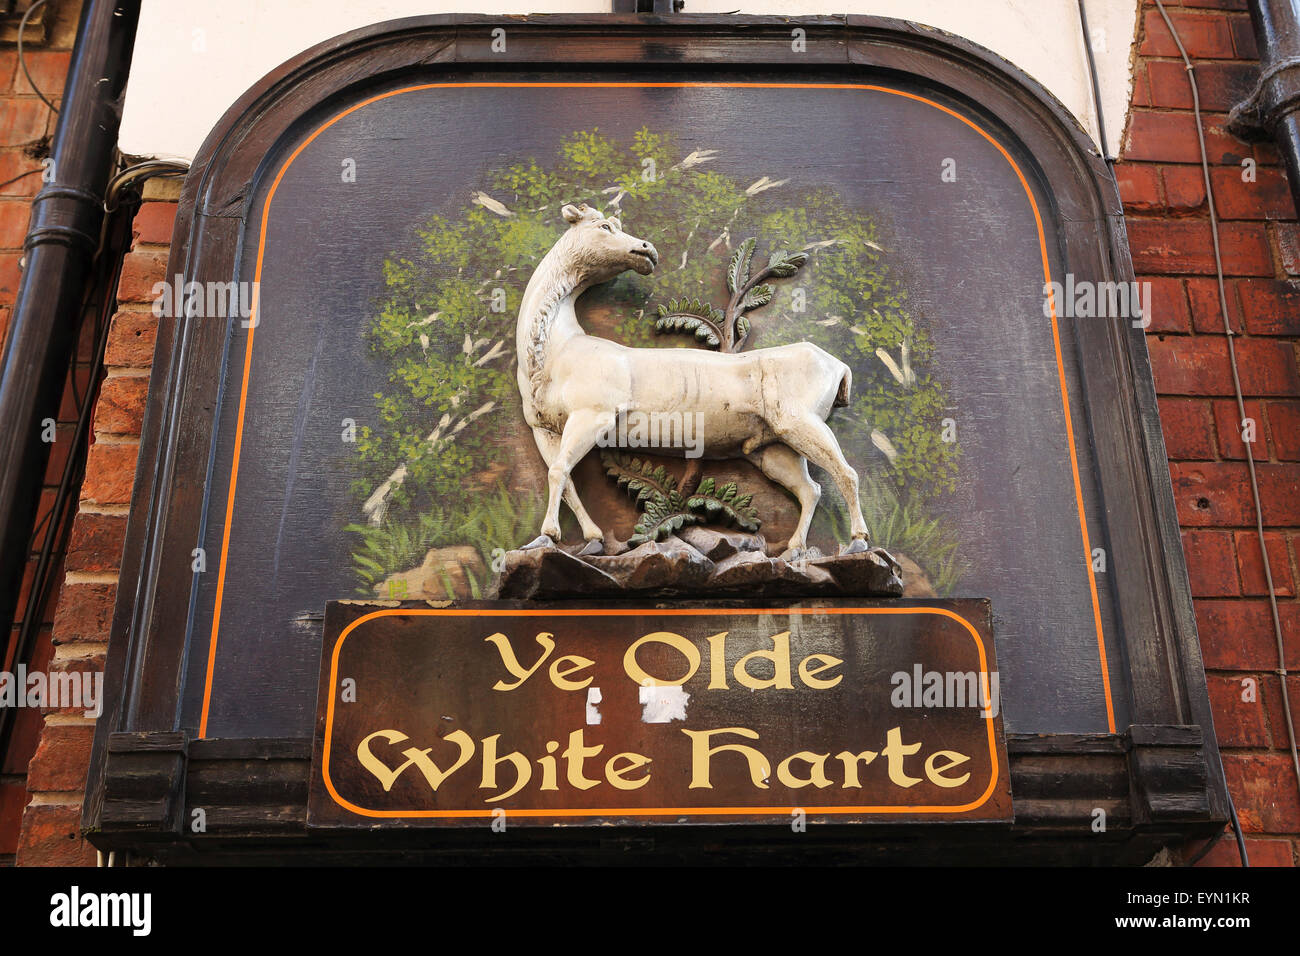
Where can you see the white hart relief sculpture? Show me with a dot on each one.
(768, 405)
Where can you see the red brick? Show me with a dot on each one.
(131, 340)
(1199, 366)
(84, 613)
(1238, 635)
(10, 276)
(24, 121)
(1204, 35)
(1288, 245)
(96, 542)
(1281, 736)
(1264, 790)
(59, 449)
(1266, 154)
(1207, 310)
(86, 667)
(1180, 246)
(1139, 186)
(49, 68)
(1227, 422)
(110, 473)
(13, 797)
(1270, 688)
(1169, 312)
(1268, 197)
(51, 836)
(14, 217)
(141, 271)
(1167, 85)
(1171, 138)
(1207, 4)
(1141, 89)
(1211, 563)
(1279, 494)
(1221, 85)
(121, 405)
(8, 68)
(1212, 494)
(61, 758)
(1243, 38)
(1284, 429)
(1184, 188)
(68, 408)
(153, 223)
(15, 163)
(1237, 722)
(1271, 307)
(1260, 852)
(24, 591)
(29, 721)
(1188, 428)
(1251, 567)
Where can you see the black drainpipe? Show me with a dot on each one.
(60, 247)
(1271, 110)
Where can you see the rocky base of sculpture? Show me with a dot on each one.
(700, 562)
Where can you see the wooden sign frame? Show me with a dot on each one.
(1157, 780)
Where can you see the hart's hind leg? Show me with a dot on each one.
(548, 443)
(790, 471)
(812, 438)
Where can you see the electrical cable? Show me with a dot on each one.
(22, 60)
(1096, 86)
(30, 172)
(1241, 411)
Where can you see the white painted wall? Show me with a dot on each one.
(194, 58)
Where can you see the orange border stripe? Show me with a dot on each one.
(257, 278)
(994, 771)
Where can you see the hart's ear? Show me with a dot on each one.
(571, 214)
(616, 223)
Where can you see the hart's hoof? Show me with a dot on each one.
(541, 541)
(594, 546)
(793, 555)
(856, 546)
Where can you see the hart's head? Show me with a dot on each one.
(599, 249)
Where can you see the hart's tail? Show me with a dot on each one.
(842, 393)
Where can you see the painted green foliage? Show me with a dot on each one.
(447, 324)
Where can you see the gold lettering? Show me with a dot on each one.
(675, 641)
(809, 674)
(558, 677)
(718, 661)
(574, 755)
(548, 767)
(779, 655)
(511, 662)
(420, 758)
(936, 773)
(895, 750)
(817, 764)
(850, 761)
(701, 753)
(523, 769)
(633, 762)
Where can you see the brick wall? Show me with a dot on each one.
(1163, 189)
(26, 125)
(56, 777)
